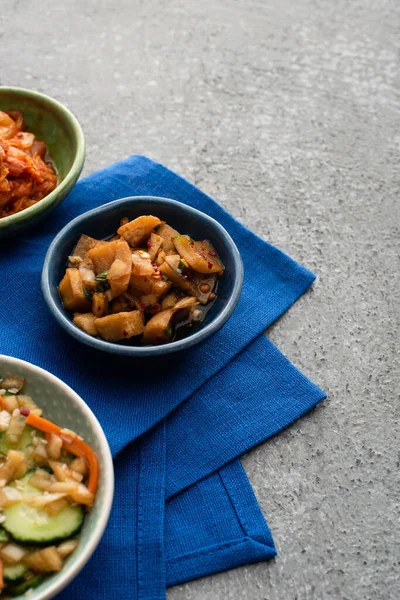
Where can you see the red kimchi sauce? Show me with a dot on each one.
(26, 172)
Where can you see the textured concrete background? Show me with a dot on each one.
(288, 113)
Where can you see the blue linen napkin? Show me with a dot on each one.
(215, 523)
(272, 283)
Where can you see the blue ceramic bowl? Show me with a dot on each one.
(103, 222)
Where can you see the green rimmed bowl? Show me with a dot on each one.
(55, 125)
(63, 406)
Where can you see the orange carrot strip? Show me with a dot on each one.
(74, 445)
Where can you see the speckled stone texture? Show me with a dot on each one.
(288, 113)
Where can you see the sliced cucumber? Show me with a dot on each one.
(31, 525)
(14, 572)
(4, 537)
(24, 586)
(24, 442)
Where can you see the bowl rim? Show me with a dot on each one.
(74, 170)
(143, 351)
(107, 469)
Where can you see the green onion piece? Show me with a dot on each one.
(88, 294)
(103, 286)
(102, 276)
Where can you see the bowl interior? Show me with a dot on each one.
(104, 221)
(48, 121)
(61, 405)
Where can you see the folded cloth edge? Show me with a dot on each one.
(256, 544)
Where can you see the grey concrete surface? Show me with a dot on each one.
(288, 113)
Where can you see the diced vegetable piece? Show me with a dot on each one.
(40, 453)
(10, 403)
(63, 487)
(28, 524)
(187, 302)
(15, 427)
(154, 244)
(86, 322)
(41, 480)
(141, 266)
(88, 278)
(167, 233)
(169, 301)
(200, 256)
(156, 330)
(160, 258)
(82, 495)
(5, 418)
(136, 231)
(42, 501)
(99, 304)
(142, 284)
(12, 553)
(46, 560)
(28, 402)
(103, 256)
(22, 469)
(76, 476)
(170, 268)
(28, 584)
(14, 572)
(122, 303)
(120, 326)
(7, 470)
(60, 470)
(67, 548)
(148, 300)
(11, 382)
(82, 248)
(54, 445)
(57, 506)
(72, 292)
(9, 495)
(79, 465)
(119, 272)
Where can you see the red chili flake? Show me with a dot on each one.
(210, 265)
(191, 244)
(143, 305)
(153, 310)
(25, 412)
(149, 243)
(124, 333)
(212, 253)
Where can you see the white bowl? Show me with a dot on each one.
(65, 408)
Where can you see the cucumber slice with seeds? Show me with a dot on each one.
(27, 524)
